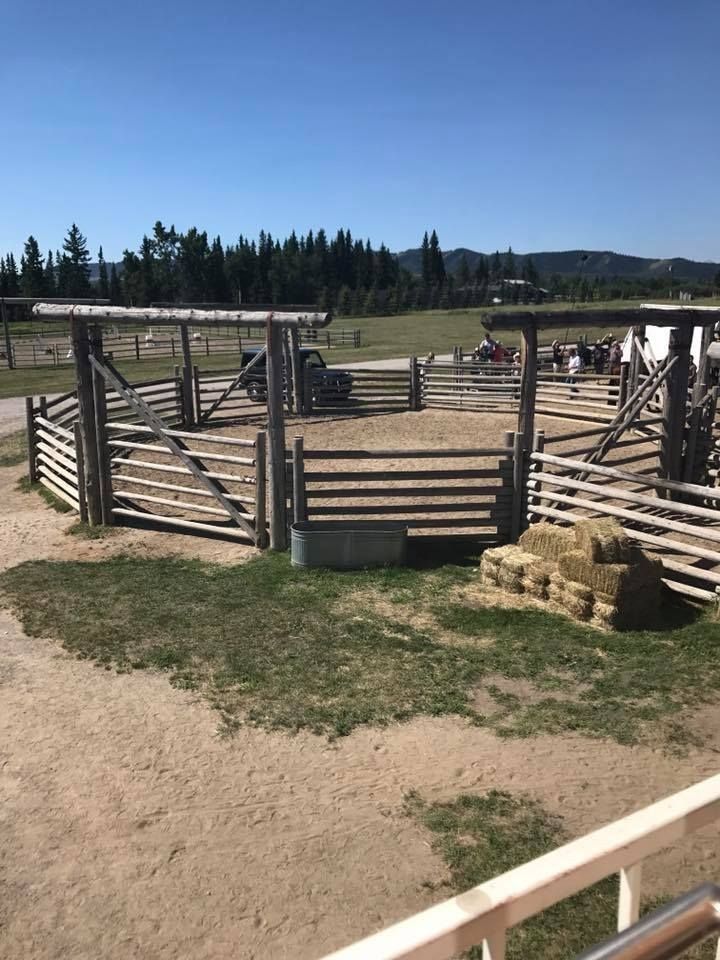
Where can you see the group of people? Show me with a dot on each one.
(604, 356)
(492, 351)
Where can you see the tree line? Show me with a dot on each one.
(345, 275)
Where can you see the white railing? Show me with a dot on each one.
(485, 913)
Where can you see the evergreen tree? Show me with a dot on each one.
(32, 273)
(463, 272)
(529, 272)
(50, 282)
(481, 270)
(426, 267)
(371, 307)
(496, 270)
(3, 278)
(103, 284)
(437, 264)
(74, 264)
(509, 268)
(344, 301)
(115, 289)
(12, 280)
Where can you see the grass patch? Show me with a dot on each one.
(13, 448)
(25, 486)
(282, 647)
(482, 836)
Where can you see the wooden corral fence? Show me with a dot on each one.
(469, 493)
(483, 915)
(679, 522)
(54, 349)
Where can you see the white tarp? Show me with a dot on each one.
(658, 339)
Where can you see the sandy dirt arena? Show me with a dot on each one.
(130, 829)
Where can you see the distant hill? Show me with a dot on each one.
(600, 263)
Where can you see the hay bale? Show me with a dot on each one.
(490, 562)
(556, 587)
(603, 541)
(615, 580)
(579, 591)
(540, 572)
(606, 615)
(535, 588)
(547, 540)
(488, 572)
(578, 609)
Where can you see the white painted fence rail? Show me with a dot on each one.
(487, 912)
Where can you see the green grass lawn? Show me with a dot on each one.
(480, 837)
(328, 651)
(382, 337)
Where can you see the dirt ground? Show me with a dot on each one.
(129, 828)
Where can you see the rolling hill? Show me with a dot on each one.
(600, 263)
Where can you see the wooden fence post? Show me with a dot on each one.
(261, 490)
(86, 418)
(43, 407)
(188, 412)
(288, 373)
(298, 473)
(415, 397)
(198, 398)
(31, 444)
(528, 384)
(80, 467)
(516, 523)
(307, 390)
(298, 372)
(137, 347)
(100, 414)
(623, 384)
(675, 405)
(276, 437)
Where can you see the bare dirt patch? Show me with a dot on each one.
(129, 828)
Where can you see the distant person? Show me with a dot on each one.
(498, 354)
(487, 348)
(598, 357)
(575, 368)
(585, 354)
(557, 356)
(615, 358)
(692, 372)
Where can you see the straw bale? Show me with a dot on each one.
(540, 571)
(547, 540)
(603, 541)
(536, 588)
(579, 591)
(578, 609)
(606, 615)
(613, 579)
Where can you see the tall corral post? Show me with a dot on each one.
(100, 413)
(297, 370)
(276, 437)
(298, 468)
(86, 417)
(288, 372)
(636, 360)
(261, 490)
(6, 331)
(518, 499)
(675, 405)
(196, 393)
(702, 378)
(623, 385)
(528, 384)
(415, 393)
(188, 413)
(31, 442)
(532, 486)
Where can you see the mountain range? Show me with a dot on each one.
(599, 263)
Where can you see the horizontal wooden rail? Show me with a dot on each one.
(404, 454)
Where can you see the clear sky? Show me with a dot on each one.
(545, 125)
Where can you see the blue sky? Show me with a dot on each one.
(545, 125)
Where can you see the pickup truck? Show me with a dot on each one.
(328, 385)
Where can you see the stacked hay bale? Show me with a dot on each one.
(591, 572)
(624, 582)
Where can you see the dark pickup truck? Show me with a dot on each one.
(328, 385)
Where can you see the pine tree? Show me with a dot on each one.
(103, 285)
(437, 264)
(344, 301)
(371, 306)
(529, 272)
(495, 268)
(50, 282)
(12, 280)
(509, 267)
(115, 290)
(463, 272)
(75, 260)
(32, 274)
(427, 277)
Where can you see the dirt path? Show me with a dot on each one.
(129, 829)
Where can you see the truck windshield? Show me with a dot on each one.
(314, 359)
